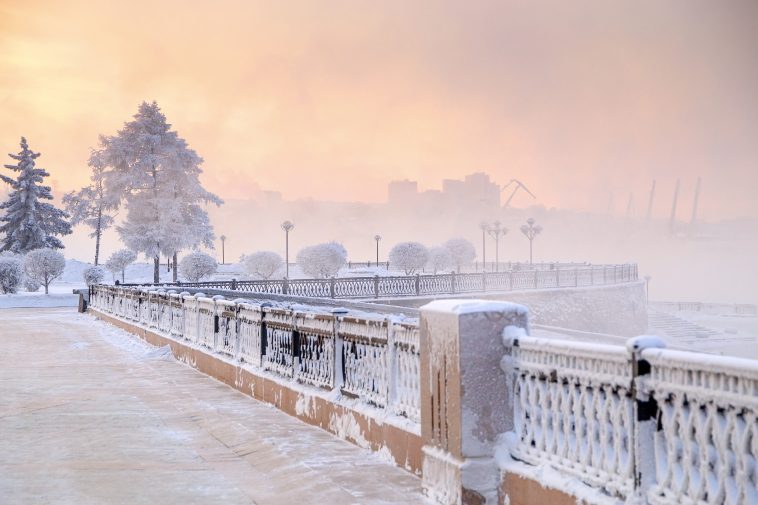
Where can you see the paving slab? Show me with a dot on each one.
(90, 414)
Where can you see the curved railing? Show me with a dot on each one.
(544, 277)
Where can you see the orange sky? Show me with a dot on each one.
(332, 99)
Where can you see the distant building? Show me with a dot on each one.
(402, 193)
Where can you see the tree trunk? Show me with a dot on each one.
(123, 271)
(157, 269)
(175, 263)
(98, 233)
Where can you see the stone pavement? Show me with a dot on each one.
(92, 415)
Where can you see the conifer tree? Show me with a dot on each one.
(155, 173)
(29, 221)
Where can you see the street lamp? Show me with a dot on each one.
(647, 288)
(377, 238)
(287, 226)
(496, 231)
(484, 227)
(530, 230)
(223, 252)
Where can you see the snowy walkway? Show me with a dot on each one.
(92, 415)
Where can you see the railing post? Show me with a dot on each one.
(264, 335)
(234, 284)
(452, 282)
(464, 402)
(331, 287)
(285, 286)
(645, 415)
(418, 284)
(376, 286)
(338, 371)
(484, 280)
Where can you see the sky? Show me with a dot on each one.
(581, 100)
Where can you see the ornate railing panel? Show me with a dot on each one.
(365, 359)
(707, 446)
(280, 347)
(206, 322)
(573, 408)
(226, 334)
(406, 341)
(315, 349)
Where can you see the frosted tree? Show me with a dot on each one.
(93, 275)
(11, 273)
(461, 251)
(44, 266)
(262, 264)
(322, 260)
(440, 259)
(29, 221)
(409, 256)
(89, 206)
(152, 170)
(197, 265)
(118, 262)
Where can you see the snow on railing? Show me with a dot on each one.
(573, 408)
(558, 276)
(374, 360)
(645, 425)
(706, 446)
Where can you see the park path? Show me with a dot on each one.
(91, 415)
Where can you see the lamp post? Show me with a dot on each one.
(287, 226)
(484, 227)
(377, 238)
(530, 230)
(496, 231)
(647, 288)
(223, 251)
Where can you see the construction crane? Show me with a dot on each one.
(519, 185)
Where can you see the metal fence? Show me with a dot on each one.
(372, 359)
(430, 285)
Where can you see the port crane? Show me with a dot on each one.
(517, 185)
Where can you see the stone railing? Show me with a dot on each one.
(375, 360)
(430, 285)
(738, 309)
(600, 423)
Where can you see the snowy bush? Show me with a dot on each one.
(262, 264)
(93, 275)
(322, 260)
(409, 256)
(461, 251)
(118, 262)
(44, 266)
(31, 285)
(11, 273)
(440, 259)
(196, 266)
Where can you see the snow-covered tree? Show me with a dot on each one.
(409, 256)
(462, 251)
(118, 262)
(30, 222)
(31, 285)
(93, 275)
(322, 260)
(44, 266)
(262, 264)
(155, 174)
(197, 265)
(89, 206)
(11, 273)
(439, 259)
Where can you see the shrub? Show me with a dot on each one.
(93, 275)
(462, 251)
(409, 256)
(322, 260)
(440, 259)
(196, 266)
(262, 264)
(11, 274)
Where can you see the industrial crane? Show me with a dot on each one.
(519, 185)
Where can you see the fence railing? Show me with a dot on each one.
(424, 285)
(664, 426)
(373, 360)
(739, 309)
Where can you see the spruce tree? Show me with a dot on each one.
(30, 222)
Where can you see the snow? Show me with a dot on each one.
(470, 306)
